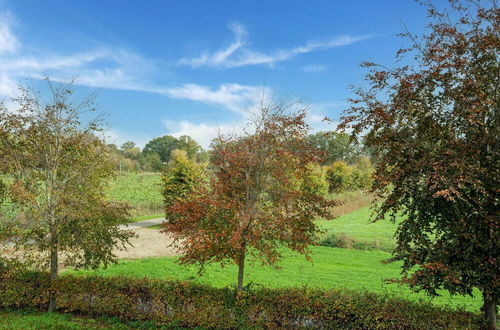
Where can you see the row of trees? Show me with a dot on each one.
(157, 152)
(335, 146)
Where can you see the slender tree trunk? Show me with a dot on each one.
(241, 270)
(490, 311)
(53, 275)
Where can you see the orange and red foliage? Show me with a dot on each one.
(260, 196)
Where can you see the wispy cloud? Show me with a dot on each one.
(8, 42)
(233, 97)
(239, 54)
(102, 66)
(314, 68)
(115, 68)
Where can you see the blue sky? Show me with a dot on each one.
(195, 67)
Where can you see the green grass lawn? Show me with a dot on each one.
(357, 226)
(142, 192)
(24, 320)
(332, 268)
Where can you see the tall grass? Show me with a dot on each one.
(351, 201)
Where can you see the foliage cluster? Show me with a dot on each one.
(335, 146)
(342, 177)
(180, 178)
(435, 126)
(263, 194)
(191, 305)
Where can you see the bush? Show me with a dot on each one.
(341, 177)
(180, 178)
(315, 181)
(189, 305)
(344, 241)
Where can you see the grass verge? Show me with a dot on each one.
(331, 268)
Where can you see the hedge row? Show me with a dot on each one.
(189, 305)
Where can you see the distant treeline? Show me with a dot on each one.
(337, 148)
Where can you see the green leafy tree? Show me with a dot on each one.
(435, 126)
(58, 171)
(127, 145)
(130, 150)
(315, 180)
(361, 176)
(190, 146)
(151, 162)
(162, 146)
(180, 178)
(335, 146)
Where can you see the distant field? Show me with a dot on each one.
(332, 268)
(356, 227)
(142, 192)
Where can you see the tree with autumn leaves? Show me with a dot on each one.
(262, 196)
(435, 127)
(56, 170)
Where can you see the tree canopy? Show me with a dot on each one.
(164, 145)
(435, 126)
(263, 195)
(336, 146)
(57, 169)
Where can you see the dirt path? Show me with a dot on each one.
(149, 243)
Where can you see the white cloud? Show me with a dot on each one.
(102, 66)
(314, 68)
(203, 133)
(118, 68)
(8, 42)
(233, 97)
(237, 54)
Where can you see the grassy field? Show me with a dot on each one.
(36, 320)
(331, 268)
(142, 192)
(356, 227)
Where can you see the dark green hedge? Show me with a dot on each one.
(189, 305)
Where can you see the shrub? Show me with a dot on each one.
(339, 176)
(342, 240)
(342, 177)
(180, 177)
(185, 304)
(315, 180)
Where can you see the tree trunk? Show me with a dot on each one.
(241, 270)
(490, 311)
(53, 275)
